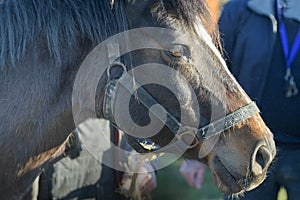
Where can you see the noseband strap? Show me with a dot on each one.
(147, 145)
(228, 121)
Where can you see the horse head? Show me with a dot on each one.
(179, 96)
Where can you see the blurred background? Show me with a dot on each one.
(172, 186)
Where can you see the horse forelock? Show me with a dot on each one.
(187, 12)
(60, 22)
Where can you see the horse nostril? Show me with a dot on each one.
(261, 160)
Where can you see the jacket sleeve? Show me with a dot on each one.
(228, 24)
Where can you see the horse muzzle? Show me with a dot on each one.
(236, 179)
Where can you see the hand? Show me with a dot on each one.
(146, 179)
(193, 172)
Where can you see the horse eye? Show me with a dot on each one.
(176, 54)
(179, 52)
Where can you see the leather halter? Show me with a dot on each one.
(180, 131)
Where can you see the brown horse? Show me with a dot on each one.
(43, 44)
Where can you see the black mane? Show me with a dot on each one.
(68, 20)
(187, 11)
(62, 22)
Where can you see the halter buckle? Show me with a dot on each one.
(188, 136)
(110, 90)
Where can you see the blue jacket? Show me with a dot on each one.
(249, 31)
(251, 18)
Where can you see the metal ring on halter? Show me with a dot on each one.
(191, 132)
(114, 64)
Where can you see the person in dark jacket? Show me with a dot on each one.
(261, 43)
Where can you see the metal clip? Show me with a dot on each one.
(115, 64)
(188, 136)
(292, 89)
